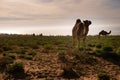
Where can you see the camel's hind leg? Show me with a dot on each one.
(73, 42)
(84, 42)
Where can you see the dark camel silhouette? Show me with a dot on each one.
(104, 33)
(80, 30)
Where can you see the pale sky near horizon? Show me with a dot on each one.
(57, 17)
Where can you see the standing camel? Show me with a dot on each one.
(104, 33)
(80, 30)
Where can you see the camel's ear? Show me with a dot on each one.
(84, 21)
(78, 20)
(90, 22)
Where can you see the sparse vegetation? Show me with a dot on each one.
(41, 54)
(16, 70)
(98, 46)
(28, 57)
(107, 49)
(32, 53)
(12, 56)
(21, 51)
(48, 46)
(118, 51)
(103, 76)
(6, 48)
(4, 62)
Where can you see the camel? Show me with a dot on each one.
(80, 30)
(104, 33)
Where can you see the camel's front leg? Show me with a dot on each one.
(73, 42)
(78, 42)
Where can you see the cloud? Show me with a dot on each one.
(59, 12)
(44, 1)
(13, 19)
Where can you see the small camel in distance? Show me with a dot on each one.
(104, 33)
(80, 30)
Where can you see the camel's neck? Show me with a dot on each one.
(86, 29)
(109, 32)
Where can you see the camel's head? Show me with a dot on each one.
(87, 22)
(109, 32)
(78, 21)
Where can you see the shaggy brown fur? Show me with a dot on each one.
(104, 33)
(80, 30)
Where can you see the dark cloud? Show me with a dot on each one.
(59, 12)
(45, 1)
(13, 19)
(113, 4)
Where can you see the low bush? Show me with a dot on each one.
(28, 57)
(1, 50)
(118, 51)
(21, 51)
(34, 46)
(12, 56)
(91, 45)
(98, 46)
(21, 56)
(61, 48)
(103, 76)
(32, 53)
(4, 62)
(6, 48)
(86, 59)
(16, 70)
(48, 46)
(107, 49)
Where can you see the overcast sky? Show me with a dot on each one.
(57, 17)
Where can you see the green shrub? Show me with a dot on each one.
(61, 48)
(61, 53)
(48, 46)
(61, 56)
(97, 52)
(99, 46)
(86, 59)
(16, 70)
(34, 46)
(4, 61)
(28, 57)
(103, 76)
(107, 49)
(118, 51)
(91, 45)
(88, 49)
(6, 48)
(32, 53)
(12, 56)
(4, 54)
(1, 50)
(21, 56)
(21, 51)
(77, 56)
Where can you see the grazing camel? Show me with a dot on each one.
(80, 30)
(104, 33)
